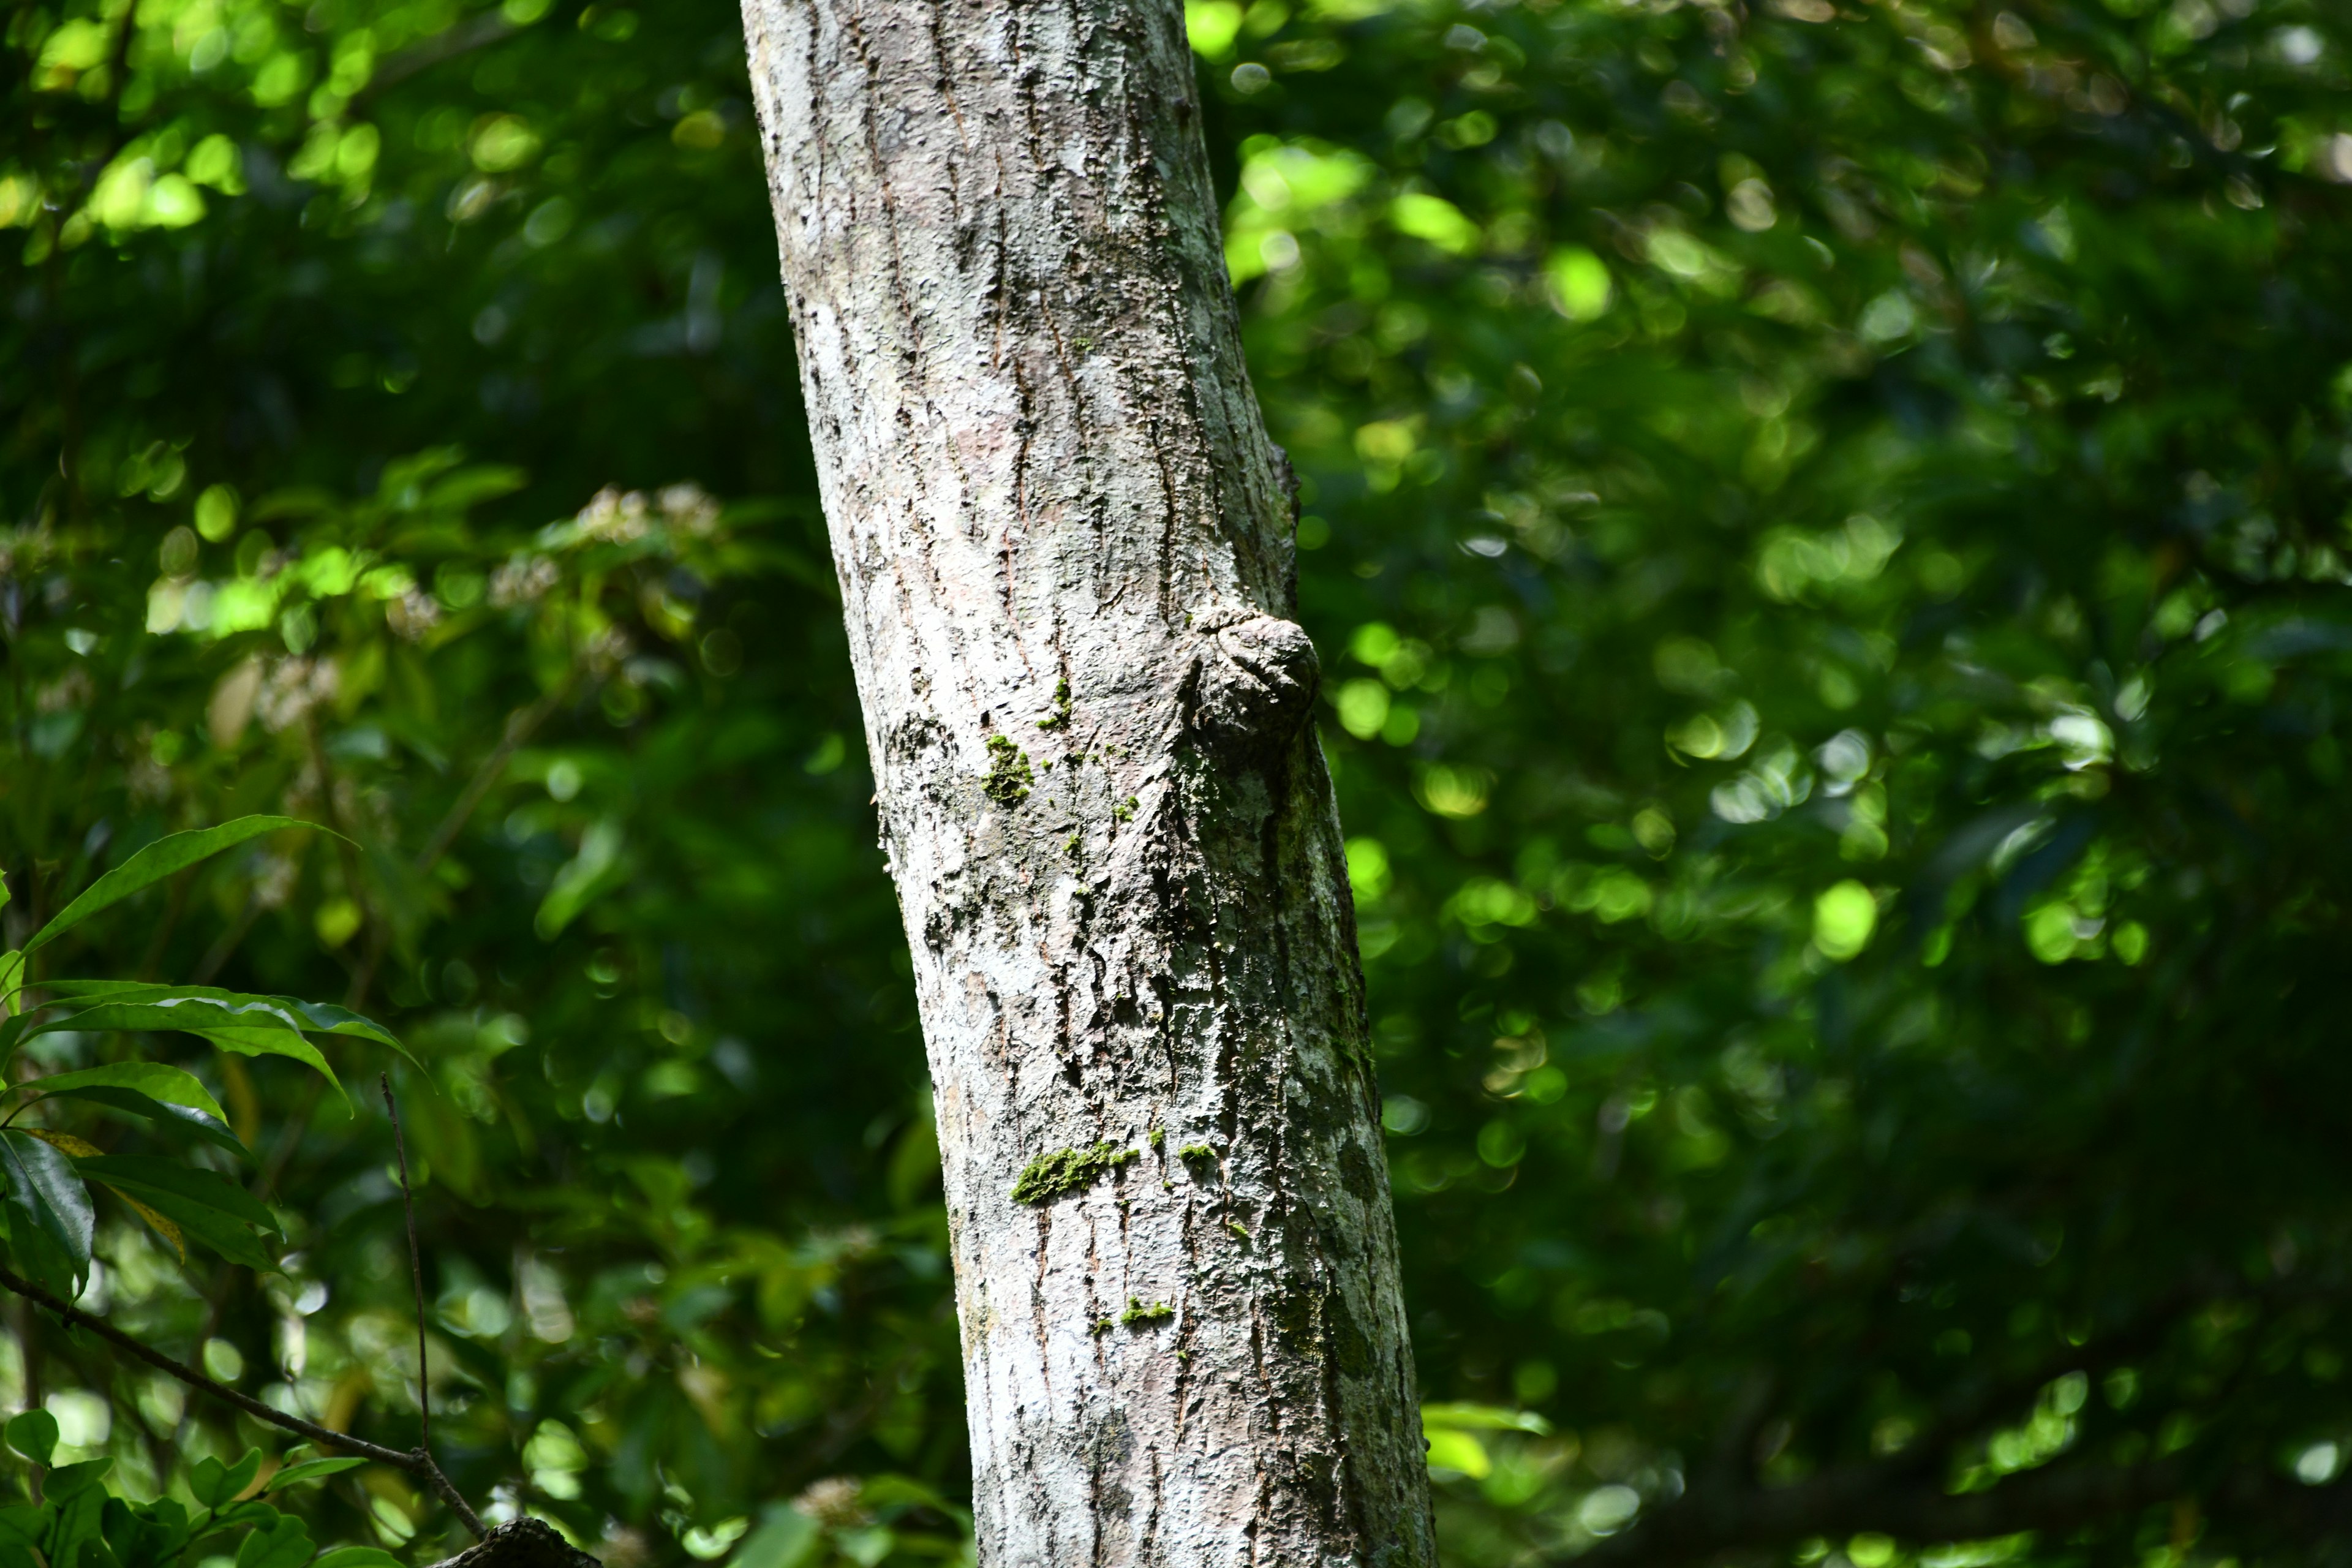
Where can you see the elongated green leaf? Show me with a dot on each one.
(181, 1219)
(190, 1014)
(177, 1117)
(12, 971)
(317, 1017)
(326, 1019)
(155, 1080)
(172, 852)
(177, 1181)
(48, 1199)
(250, 1027)
(312, 1470)
(258, 1042)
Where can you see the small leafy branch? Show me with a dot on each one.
(78, 1524)
(50, 1221)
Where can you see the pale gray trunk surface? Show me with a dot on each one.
(1065, 549)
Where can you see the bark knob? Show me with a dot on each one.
(521, 1543)
(1257, 682)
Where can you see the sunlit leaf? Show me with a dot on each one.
(153, 1080)
(162, 1226)
(172, 852)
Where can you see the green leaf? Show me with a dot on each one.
(145, 1535)
(190, 1014)
(179, 1118)
(317, 1017)
(358, 1557)
(257, 1042)
(172, 852)
(12, 970)
(786, 1538)
(80, 1511)
(184, 1181)
(246, 1025)
(154, 1081)
(1465, 1417)
(25, 1525)
(310, 1470)
(69, 1480)
(178, 1220)
(214, 1483)
(285, 1544)
(49, 1201)
(34, 1434)
(187, 1014)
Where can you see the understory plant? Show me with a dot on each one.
(186, 1191)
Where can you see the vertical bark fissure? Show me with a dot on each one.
(1063, 544)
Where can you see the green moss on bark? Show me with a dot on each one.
(1009, 777)
(1048, 1176)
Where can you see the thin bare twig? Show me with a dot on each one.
(417, 1280)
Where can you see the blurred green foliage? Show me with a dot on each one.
(1827, 529)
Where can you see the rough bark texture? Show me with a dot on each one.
(521, 1543)
(1065, 549)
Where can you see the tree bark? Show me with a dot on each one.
(1065, 546)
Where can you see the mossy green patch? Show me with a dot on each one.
(1059, 719)
(1137, 1315)
(1048, 1176)
(1009, 777)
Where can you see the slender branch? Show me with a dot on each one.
(218, 953)
(347, 852)
(290, 1141)
(415, 1463)
(417, 1280)
(519, 728)
(154, 961)
(2060, 1499)
(1726, 1510)
(475, 33)
(415, 1265)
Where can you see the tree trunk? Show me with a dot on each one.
(1065, 557)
